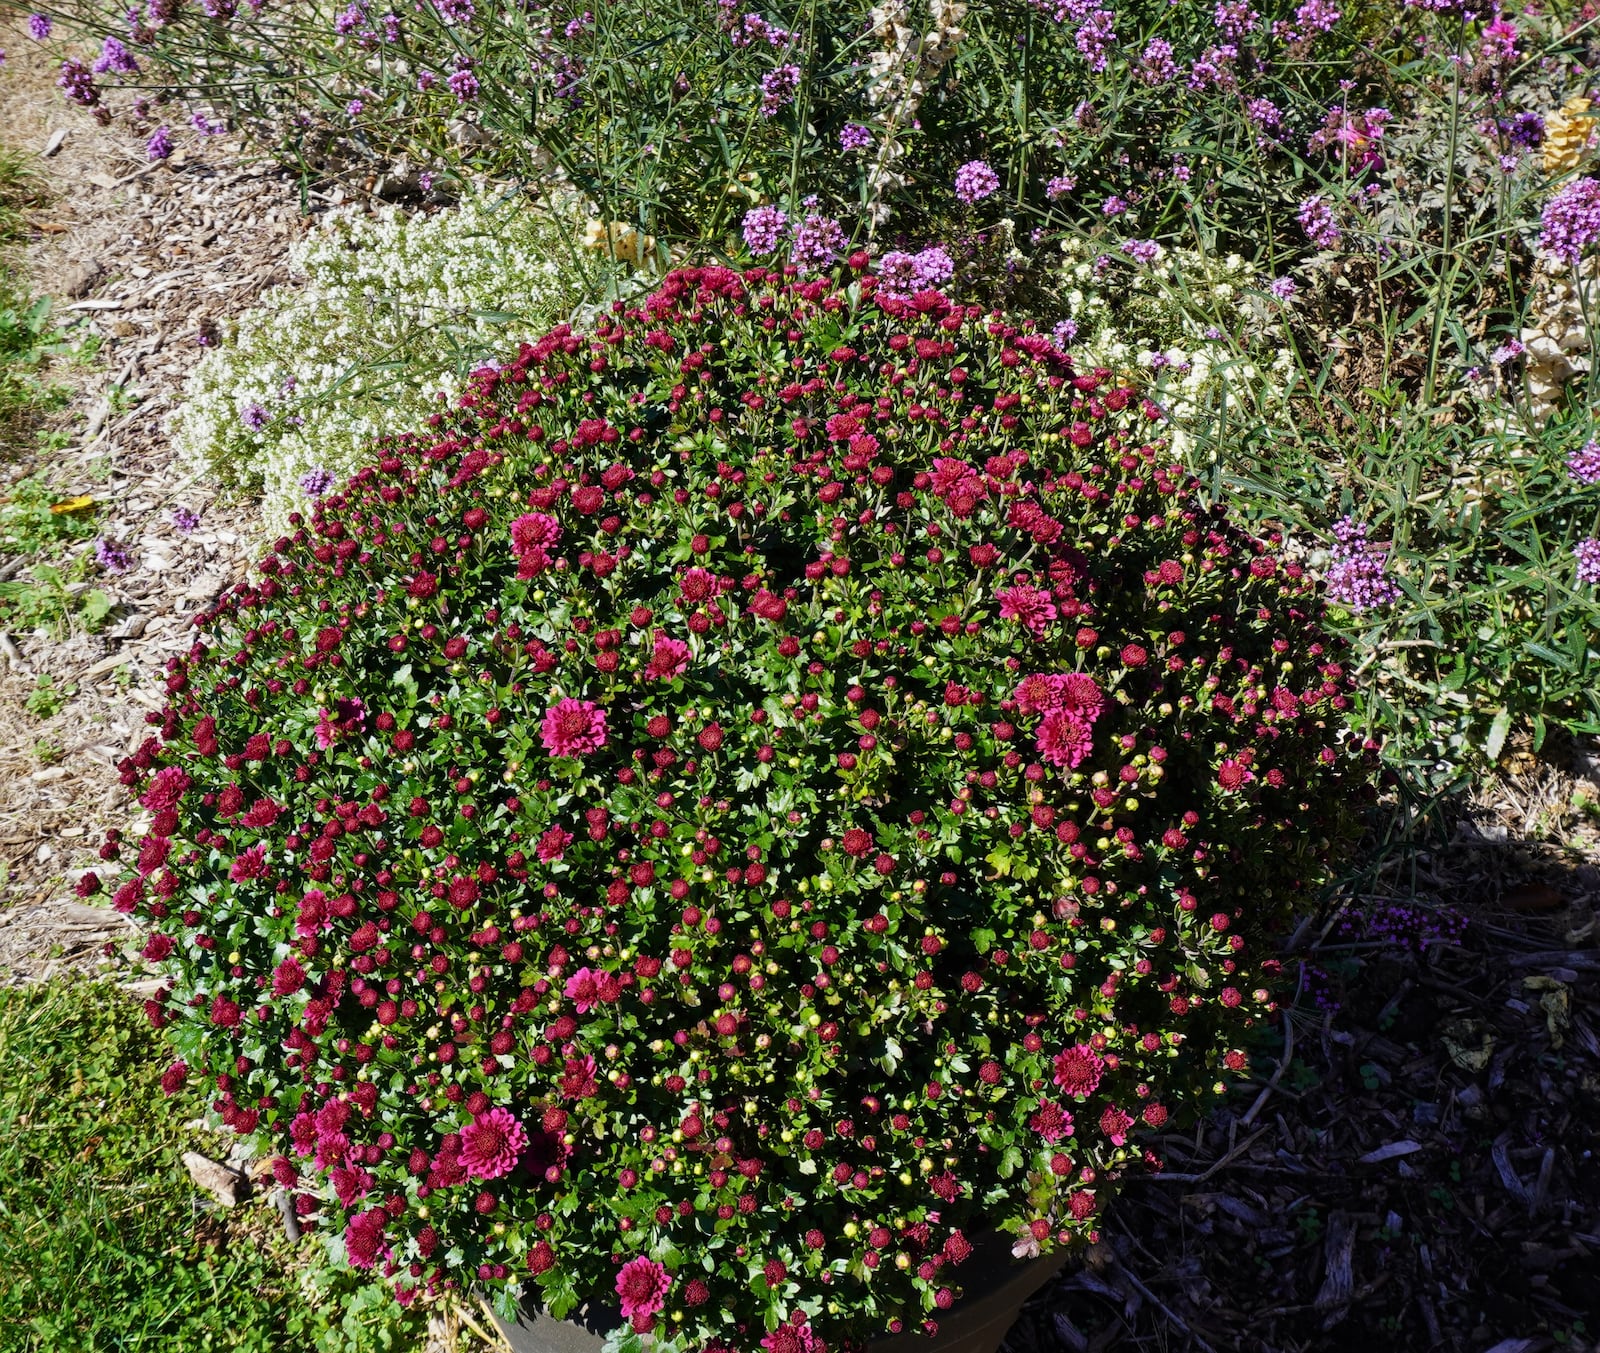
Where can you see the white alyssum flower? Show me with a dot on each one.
(385, 314)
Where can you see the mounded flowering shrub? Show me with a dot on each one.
(746, 802)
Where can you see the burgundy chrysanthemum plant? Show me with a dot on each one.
(750, 803)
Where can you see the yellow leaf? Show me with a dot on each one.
(82, 503)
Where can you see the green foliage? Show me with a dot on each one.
(46, 699)
(106, 1245)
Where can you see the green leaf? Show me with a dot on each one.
(1497, 734)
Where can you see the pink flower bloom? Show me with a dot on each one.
(1030, 605)
(642, 1284)
(1064, 738)
(578, 1079)
(583, 991)
(363, 1237)
(670, 659)
(1232, 775)
(1078, 1069)
(1076, 692)
(252, 864)
(166, 789)
(1051, 1122)
(534, 530)
(573, 728)
(533, 536)
(491, 1143)
(793, 1338)
(553, 844)
(1115, 1124)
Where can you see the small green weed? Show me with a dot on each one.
(35, 516)
(46, 700)
(49, 752)
(51, 599)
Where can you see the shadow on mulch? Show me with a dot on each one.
(1416, 1167)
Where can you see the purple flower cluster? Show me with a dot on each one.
(1264, 113)
(1356, 573)
(39, 26)
(1571, 220)
(1587, 553)
(817, 243)
(854, 136)
(455, 11)
(115, 59)
(1525, 130)
(317, 481)
(1283, 288)
(1156, 66)
(185, 520)
(159, 146)
(1405, 927)
(1316, 219)
(764, 229)
(1141, 251)
(1584, 463)
(254, 417)
(778, 88)
(975, 180)
(463, 83)
(1060, 186)
(901, 275)
(77, 83)
(112, 555)
(1317, 16)
(1096, 38)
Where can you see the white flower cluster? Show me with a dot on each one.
(1201, 335)
(389, 310)
(899, 75)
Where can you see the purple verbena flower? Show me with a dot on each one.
(1282, 287)
(1356, 574)
(1571, 220)
(1141, 251)
(1264, 113)
(1060, 186)
(455, 11)
(184, 520)
(817, 243)
(1316, 219)
(778, 88)
(159, 146)
(1525, 130)
(115, 59)
(112, 555)
(254, 417)
(1317, 16)
(1584, 463)
(764, 228)
(975, 180)
(1156, 66)
(77, 83)
(1113, 206)
(463, 84)
(39, 26)
(317, 481)
(1588, 556)
(1096, 38)
(854, 137)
